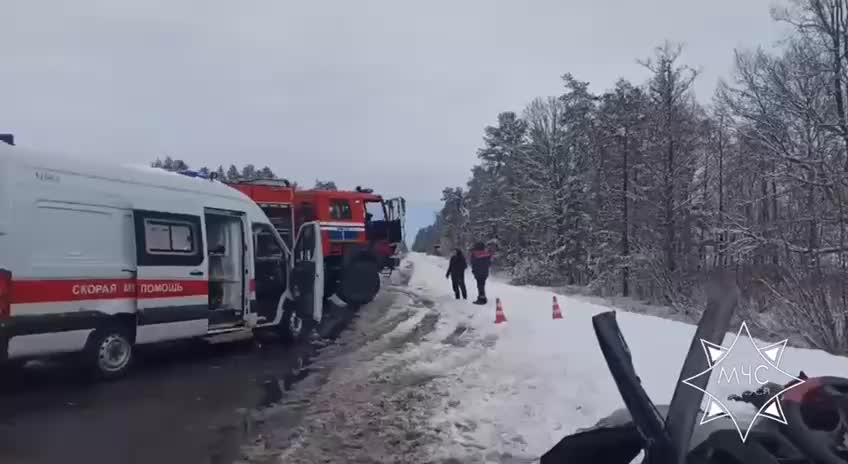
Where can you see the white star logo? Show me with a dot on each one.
(771, 354)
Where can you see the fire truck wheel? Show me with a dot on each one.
(110, 352)
(360, 282)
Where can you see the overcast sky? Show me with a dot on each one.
(392, 94)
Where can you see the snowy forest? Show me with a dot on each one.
(233, 173)
(642, 191)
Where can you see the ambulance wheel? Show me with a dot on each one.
(360, 282)
(110, 352)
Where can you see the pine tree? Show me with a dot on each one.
(672, 118)
(455, 217)
(619, 137)
(577, 122)
(233, 173)
(502, 144)
(248, 172)
(266, 173)
(325, 185)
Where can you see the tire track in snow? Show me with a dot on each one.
(368, 408)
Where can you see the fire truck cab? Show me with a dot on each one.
(360, 234)
(360, 231)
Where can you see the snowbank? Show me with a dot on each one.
(513, 390)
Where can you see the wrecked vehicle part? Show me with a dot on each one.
(668, 434)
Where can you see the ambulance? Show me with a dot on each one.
(97, 259)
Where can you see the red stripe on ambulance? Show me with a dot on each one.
(53, 291)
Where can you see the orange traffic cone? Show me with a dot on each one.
(499, 314)
(557, 313)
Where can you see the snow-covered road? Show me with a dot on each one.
(515, 389)
(437, 381)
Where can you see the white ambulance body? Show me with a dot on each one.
(95, 259)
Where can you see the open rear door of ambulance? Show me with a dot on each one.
(308, 274)
(172, 287)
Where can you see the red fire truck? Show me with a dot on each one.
(360, 231)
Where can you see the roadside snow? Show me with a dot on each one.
(511, 391)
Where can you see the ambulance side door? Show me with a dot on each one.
(172, 287)
(307, 277)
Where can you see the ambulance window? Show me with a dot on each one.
(181, 238)
(158, 237)
(340, 209)
(168, 239)
(163, 237)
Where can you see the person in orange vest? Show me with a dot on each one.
(481, 259)
(456, 273)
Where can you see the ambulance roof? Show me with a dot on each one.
(133, 174)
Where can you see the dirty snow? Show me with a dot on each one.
(352, 405)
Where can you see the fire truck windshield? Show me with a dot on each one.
(375, 209)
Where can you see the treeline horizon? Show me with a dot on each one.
(233, 173)
(642, 191)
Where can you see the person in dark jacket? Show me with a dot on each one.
(481, 259)
(456, 272)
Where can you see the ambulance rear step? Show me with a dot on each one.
(228, 335)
